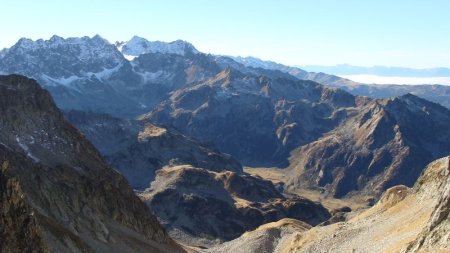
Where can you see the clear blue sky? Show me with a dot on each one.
(414, 33)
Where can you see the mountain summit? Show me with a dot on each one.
(138, 45)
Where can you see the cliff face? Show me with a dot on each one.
(57, 194)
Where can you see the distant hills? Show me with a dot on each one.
(433, 92)
(345, 69)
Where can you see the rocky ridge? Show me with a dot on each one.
(382, 144)
(57, 193)
(257, 119)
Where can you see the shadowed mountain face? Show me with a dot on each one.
(138, 149)
(57, 194)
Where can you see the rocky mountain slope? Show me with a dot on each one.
(404, 220)
(346, 143)
(138, 149)
(381, 144)
(202, 207)
(258, 119)
(56, 192)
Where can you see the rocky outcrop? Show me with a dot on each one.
(435, 236)
(203, 207)
(138, 149)
(381, 144)
(56, 192)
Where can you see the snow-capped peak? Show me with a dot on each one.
(70, 58)
(138, 45)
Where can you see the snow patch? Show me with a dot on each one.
(129, 57)
(25, 148)
(6, 146)
(155, 77)
(105, 73)
(66, 81)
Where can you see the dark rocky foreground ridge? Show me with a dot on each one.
(56, 192)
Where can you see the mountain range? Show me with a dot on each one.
(433, 92)
(183, 128)
(258, 115)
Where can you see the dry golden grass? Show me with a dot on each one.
(151, 131)
(273, 174)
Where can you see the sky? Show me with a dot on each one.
(413, 33)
